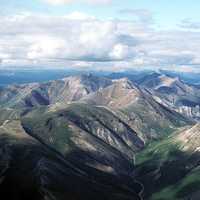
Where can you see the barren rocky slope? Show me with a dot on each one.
(59, 91)
(173, 93)
(138, 108)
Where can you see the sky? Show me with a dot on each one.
(111, 35)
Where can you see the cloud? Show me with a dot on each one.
(71, 37)
(189, 24)
(82, 41)
(63, 2)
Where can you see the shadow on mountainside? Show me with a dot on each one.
(172, 172)
(30, 170)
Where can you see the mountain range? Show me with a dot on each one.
(174, 93)
(94, 137)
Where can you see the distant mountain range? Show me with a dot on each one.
(22, 76)
(77, 138)
(174, 93)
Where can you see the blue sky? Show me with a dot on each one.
(167, 14)
(113, 35)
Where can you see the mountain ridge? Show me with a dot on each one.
(93, 127)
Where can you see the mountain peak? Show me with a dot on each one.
(125, 83)
(167, 81)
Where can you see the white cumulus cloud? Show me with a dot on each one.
(81, 40)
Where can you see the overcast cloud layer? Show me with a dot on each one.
(82, 41)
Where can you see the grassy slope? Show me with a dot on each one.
(31, 170)
(185, 188)
(167, 172)
(94, 135)
(50, 128)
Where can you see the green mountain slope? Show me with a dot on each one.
(106, 142)
(169, 169)
(29, 169)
